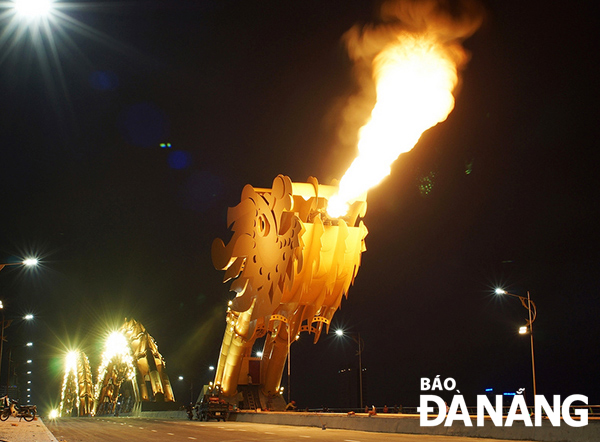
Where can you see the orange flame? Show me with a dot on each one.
(415, 75)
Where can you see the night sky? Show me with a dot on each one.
(244, 91)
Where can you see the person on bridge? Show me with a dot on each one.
(291, 406)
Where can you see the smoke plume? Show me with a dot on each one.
(449, 22)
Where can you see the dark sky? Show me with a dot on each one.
(244, 91)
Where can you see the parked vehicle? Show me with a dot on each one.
(212, 407)
(12, 408)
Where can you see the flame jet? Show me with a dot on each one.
(290, 265)
(409, 69)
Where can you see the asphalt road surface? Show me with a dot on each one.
(108, 429)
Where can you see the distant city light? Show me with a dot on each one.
(339, 332)
(259, 354)
(523, 330)
(181, 378)
(489, 389)
(28, 372)
(165, 145)
(211, 368)
(29, 361)
(500, 291)
(28, 317)
(29, 344)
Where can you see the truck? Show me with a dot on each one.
(211, 406)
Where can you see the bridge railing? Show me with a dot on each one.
(593, 410)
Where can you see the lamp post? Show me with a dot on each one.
(28, 262)
(361, 346)
(528, 327)
(3, 326)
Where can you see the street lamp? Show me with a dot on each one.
(33, 8)
(527, 328)
(5, 324)
(361, 346)
(27, 262)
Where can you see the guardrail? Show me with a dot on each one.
(593, 410)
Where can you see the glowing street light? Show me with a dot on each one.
(28, 317)
(527, 328)
(33, 9)
(27, 262)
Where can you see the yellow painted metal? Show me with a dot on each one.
(143, 365)
(289, 265)
(77, 395)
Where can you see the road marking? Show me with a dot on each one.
(190, 437)
(141, 428)
(305, 436)
(170, 434)
(268, 432)
(154, 431)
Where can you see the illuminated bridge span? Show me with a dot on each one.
(132, 370)
(77, 395)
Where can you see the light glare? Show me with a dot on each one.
(33, 8)
(500, 291)
(31, 262)
(339, 332)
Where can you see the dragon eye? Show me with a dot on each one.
(263, 225)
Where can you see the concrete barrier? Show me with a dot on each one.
(410, 424)
(178, 414)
